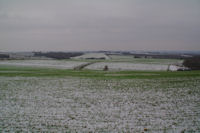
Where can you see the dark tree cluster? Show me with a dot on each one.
(58, 55)
(192, 63)
(159, 56)
(4, 56)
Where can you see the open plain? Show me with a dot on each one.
(46, 99)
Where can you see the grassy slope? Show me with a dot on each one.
(13, 71)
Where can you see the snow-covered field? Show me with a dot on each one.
(44, 63)
(113, 64)
(92, 56)
(126, 66)
(91, 105)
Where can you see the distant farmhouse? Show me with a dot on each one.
(177, 68)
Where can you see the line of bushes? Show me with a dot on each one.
(58, 55)
(192, 63)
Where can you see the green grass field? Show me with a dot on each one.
(13, 71)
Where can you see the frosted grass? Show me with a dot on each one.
(89, 105)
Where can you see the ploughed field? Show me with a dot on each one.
(37, 99)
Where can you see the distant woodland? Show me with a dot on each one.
(58, 55)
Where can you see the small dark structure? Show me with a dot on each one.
(105, 68)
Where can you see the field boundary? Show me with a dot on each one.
(80, 67)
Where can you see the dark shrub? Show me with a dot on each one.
(105, 68)
(192, 63)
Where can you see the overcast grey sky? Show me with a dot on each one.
(64, 25)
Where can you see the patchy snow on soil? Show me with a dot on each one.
(44, 63)
(92, 56)
(126, 66)
(89, 105)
